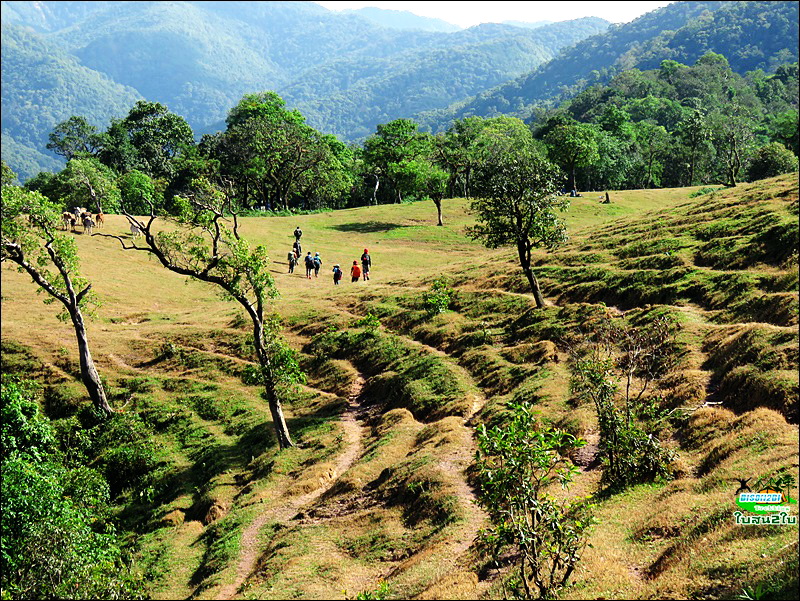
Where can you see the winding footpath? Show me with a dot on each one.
(249, 547)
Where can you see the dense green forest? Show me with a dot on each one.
(344, 73)
(751, 35)
(677, 125)
(200, 58)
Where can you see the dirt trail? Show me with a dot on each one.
(249, 547)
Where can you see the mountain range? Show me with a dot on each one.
(346, 72)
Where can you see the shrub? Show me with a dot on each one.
(438, 298)
(516, 462)
(613, 369)
(771, 160)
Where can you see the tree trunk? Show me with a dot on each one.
(537, 293)
(89, 376)
(278, 419)
(375, 191)
(525, 262)
(438, 204)
(275, 409)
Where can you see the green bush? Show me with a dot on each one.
(438, 298)
(54, 540)
(544, 536)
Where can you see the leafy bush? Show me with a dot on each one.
(613, 369)
(516, 462)
(438, 298)
(54, 541)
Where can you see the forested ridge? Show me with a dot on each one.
(199, 58)
(343, 72)
(752, 35)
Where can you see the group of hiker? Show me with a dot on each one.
(314, 264)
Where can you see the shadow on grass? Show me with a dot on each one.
(367, 227)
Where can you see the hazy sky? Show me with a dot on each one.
(467, 14)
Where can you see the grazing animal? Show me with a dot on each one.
(68, 219)
(135, 230)
(99, 219)
(88, 223)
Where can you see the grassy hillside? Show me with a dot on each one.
(377, 495)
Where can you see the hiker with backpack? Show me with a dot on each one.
(296, 248)
(317, 264)
(292, 261)
(355, 272)
(337, 274)
(298, 233)
(309, 265)
(366, 263)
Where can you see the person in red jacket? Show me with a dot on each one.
(355, 272)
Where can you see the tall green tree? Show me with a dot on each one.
(74, 137)
(202, 246)
(573, 146)
(694, 132)
(516, 200)
(388, 153)
(271, 154)
(88, 183)
(732, 136)
(31, 239)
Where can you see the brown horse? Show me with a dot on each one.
(98, 219)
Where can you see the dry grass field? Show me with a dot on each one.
(376, 500)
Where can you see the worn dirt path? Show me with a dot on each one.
(249, 544)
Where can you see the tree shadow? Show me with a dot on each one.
(367, 227)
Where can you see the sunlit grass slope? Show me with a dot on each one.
(377, 494)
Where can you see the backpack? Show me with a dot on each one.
(309, 261)
(337, 274)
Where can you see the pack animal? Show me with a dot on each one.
(68, 219)
(135, 230)
(88, 223)
(99, 220)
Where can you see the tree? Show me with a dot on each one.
(516, 196)
(74, 137)
(271, 150)
(88, 183)
(694, 132)
(424, 178)
(138, 193)
(394, 144)
(203, 247)
(38, 248)
(651, 143)
(572, 146)
(456, 152)
(771, 160)
(516, 463)
(157, 135)
(732, 135)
